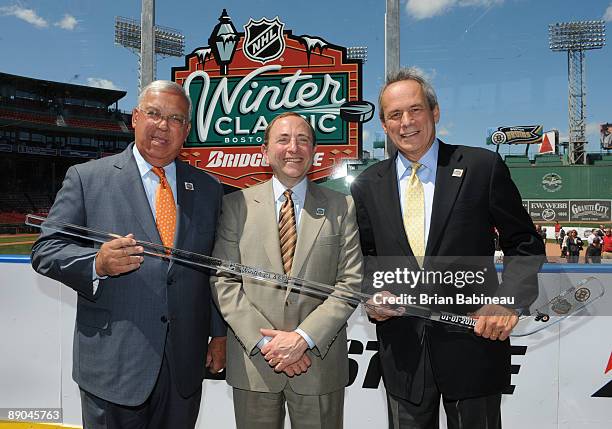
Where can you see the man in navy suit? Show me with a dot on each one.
(463, 193)
(142, 326)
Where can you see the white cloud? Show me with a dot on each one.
(97, 82)
(68, 22)
(608, 14)
(423, 9)
(28, 15)
(366, 135)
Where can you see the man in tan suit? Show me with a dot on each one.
(285, 346)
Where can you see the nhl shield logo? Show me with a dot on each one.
(264, 39)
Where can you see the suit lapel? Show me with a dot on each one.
(386, 193)
(264, 209)
(447, 188)
(131, 186)
(311, 221)
(184, 204)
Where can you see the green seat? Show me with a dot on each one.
(517, 160)
(548, 160)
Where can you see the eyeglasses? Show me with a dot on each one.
(413, 112)
(176, 121)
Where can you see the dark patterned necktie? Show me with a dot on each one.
(287, 231)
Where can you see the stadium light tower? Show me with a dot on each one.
(392, 53)
(133, 35)
(359, 53)
(575, 38)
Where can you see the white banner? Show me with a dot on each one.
(559, 379)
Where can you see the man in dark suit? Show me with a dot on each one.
(142, 327)
(429, 202)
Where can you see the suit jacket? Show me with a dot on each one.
(327, 251)
(465, 209)
(123, 329)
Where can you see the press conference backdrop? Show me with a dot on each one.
(562, 376)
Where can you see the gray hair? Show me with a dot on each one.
(414, 74)
(165, 86)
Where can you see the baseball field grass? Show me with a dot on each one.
(17, 244)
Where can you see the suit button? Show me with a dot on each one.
(164, 319)
(170, 282)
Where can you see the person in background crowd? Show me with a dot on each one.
(592, 236)
(557, 231)
(539, 229)
(592, 255)
(573, 246)
(606, 250)
(562, 238)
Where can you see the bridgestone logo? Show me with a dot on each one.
(218, 158)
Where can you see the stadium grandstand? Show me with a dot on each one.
(45, 127)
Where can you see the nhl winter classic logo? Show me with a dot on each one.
(264, 39)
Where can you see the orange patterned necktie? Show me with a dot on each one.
(287, 231)
(165, 209)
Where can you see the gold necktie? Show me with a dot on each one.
(287, 231)
(165, 209)
(414, 212)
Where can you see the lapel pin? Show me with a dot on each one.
(189, 186)
(457, 172)
(320, 211)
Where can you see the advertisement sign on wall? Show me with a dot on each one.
(242, 80)
(599, 211)
(549, 210)
(520, 134)
(590, 210)
(606, 136)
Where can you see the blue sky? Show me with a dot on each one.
(488, 59)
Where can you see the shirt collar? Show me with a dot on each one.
(144, 167)
(428, 161)
(299, 190)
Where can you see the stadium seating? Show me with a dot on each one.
(517, 161)
(99, 124)
(16, 115)
(25, 202)
(71, 110)
(606, 159)
(26, 103)
(11, 218)
(552, 160)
